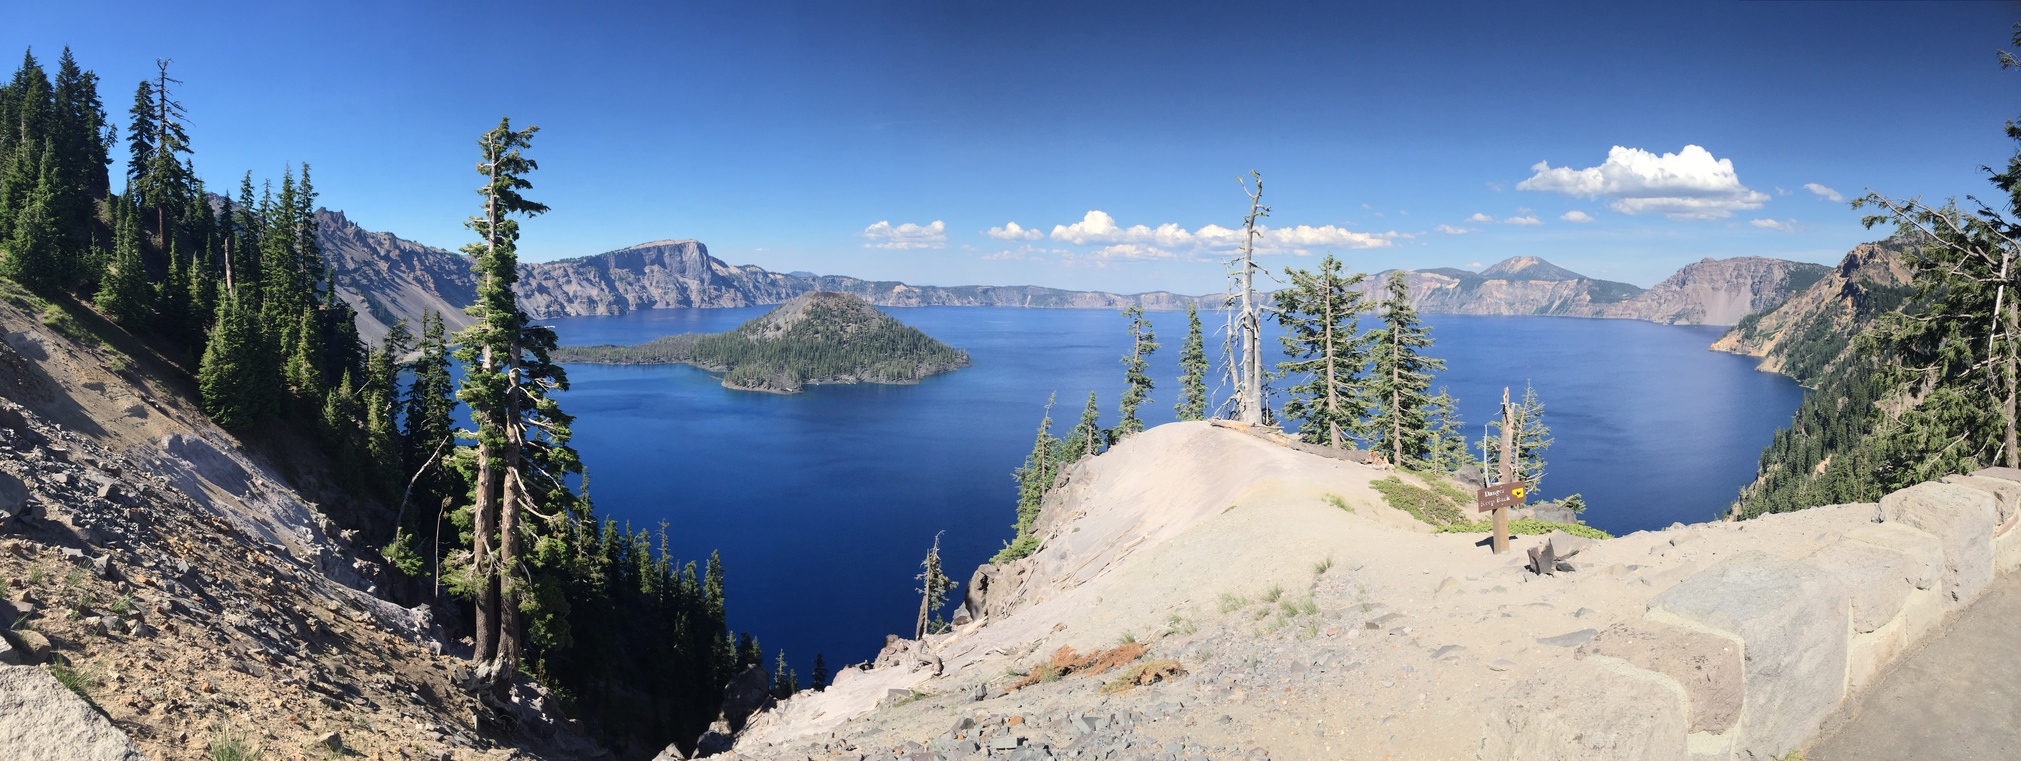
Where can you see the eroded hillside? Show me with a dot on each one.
(180, 584)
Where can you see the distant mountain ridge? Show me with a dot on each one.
(386, 278)
(1707, 292)
(1810, 331)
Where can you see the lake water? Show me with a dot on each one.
(823, 503)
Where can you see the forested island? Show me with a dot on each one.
(815, 338)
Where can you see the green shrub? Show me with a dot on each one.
(1527, 527)
(1423, 504)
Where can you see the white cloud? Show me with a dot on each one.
(1480, 218)
(1169, 240)
(1476, 265)
(1576, 215)
(1788, 225)
(1688, 184)
(1525, 221)
(906, 236)
(1824, 192)
(1011, 231)
(1451, 230)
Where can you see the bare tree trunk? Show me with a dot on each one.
(1332, 379)
(1395, 401)
(507, 659)
(482, 564)
(2007, 410)
(1508, 471)
(1252, 353)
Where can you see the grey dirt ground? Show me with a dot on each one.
(1957, 698)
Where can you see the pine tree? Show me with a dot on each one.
(1087, 438)
(522, 435)
(1448, 442)
(225, 378)
(429, 413)
(1532, 438)
(304, 369)
(1192, 369)
(140, 136)
(1402, 374)
(784, 681)
(83, 140)
(933, 588)
(818, 680)
(1136, 382)
(1034, 479)
(1320, 313)
(34, 254)
(123, 294)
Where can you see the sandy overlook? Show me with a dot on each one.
(1311, 631)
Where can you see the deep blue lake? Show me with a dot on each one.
(823, 503)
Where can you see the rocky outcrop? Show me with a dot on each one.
(386, 278)
(42, 719)
(1808, 331)
(1717, 291)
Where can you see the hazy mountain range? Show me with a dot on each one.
(387, 278)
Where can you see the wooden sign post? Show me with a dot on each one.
(1507, 492)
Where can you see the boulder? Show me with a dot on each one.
(1586, 710)
(1962, 519)
(9, 654)
(748, 693)
(974, 600)
(42, 719)
(34, 646)
(1708, 666)
(1565, 545)
(1791, 620)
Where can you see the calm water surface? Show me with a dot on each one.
(823, 503)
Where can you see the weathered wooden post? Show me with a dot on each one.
(1508, 471)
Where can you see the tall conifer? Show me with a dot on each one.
(1136, 381)
(1401, 376)
(1320, 312)
(1192, 369)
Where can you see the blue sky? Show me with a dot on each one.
(888, 139)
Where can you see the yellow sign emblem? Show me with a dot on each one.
(1516, 492)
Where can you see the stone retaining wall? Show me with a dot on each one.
(1749, 657)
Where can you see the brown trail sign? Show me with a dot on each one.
(1499, 496)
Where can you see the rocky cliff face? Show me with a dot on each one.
(387, 279)
(1708, 292)
(1717, 291)
(1810, 329)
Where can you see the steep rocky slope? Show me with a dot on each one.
(1259, 602)
(1808, 331)
(1707, 292)
(386, 278)
(191, 592)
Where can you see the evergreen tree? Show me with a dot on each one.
(1136, 382)
(1320, 314)
(1402, 374)
(123, 293)
(304, 370)
(522, 436)
(818, 680)
(1448, 441)
(231, 393)
(1087, 438)
(380, 400)
(1192, 369)
(933, 588)
(34, 254)
(1532, 437)
(83, 140)
(1034, 479)
(140, 133)
(784, 681)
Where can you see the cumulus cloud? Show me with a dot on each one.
(1169, 240)
(1825, 192)
(1480, 218)
(1451, 230)
(1788, 225)
(1526, 221)
(1011, 231)
(906, 236)
(1688, 184)
(1576, 215)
